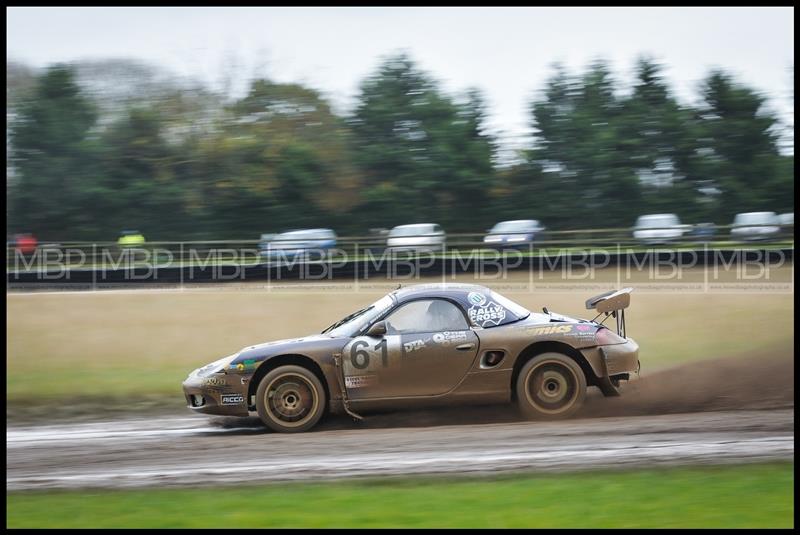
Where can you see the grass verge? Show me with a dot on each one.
(755, 495)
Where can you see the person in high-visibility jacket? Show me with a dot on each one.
(130, 238)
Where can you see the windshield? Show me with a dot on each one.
(661, 221)
(515, 226)
(755, 218)
(411, 230)
(352, 323)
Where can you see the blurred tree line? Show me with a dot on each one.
(94, 148)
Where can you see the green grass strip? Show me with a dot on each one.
(754, 495)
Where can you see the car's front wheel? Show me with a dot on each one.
(290, 399)
(550, 386)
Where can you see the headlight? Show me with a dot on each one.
(215, 367)
(492, 239)
(517, 238)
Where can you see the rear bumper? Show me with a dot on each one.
(611, 363)
(620, 358)
(227, 399)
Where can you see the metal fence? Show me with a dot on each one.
(110, 255)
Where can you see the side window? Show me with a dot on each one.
(429, 315)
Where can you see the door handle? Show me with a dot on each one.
(465, 347)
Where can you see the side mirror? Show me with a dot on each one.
(377, 329)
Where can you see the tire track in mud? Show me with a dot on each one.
(177, 452)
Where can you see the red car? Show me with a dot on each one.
(26, 243)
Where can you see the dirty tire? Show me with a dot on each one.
(550, 386)
(290, 399)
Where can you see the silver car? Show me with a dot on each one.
(755, 226)
(416, 237)
(655, 229)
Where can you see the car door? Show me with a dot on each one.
(426, 351)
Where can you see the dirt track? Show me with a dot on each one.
(718, 411)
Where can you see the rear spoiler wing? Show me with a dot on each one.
(612, 303)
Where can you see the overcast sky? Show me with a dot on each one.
(506, 52)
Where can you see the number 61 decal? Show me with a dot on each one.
(359, 357)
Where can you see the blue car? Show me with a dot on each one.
(519, 234)
(306, 244)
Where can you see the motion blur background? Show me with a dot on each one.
(229, 124)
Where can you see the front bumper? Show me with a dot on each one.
(220, 394)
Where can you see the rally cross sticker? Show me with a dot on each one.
(487, 314)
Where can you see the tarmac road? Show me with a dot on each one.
(196, 450)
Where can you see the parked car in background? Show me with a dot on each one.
(703, 232)
(25, 243)
(755, 226)
(653, 229)
(306, 244)
(264, 240)
(787, 224)
(416, 237)
(519, 233)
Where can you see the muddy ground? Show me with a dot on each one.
(728, 410)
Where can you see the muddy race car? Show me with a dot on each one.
(421, 346)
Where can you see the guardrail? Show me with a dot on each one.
(364, 257)
(110, 255)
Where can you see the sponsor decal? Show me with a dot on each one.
(245, 365)
(584, 332)
(448, 338)
(476, 298)
(359, 381)
(558, 329)
(213, 381)
(413, 345)
(231, 399)
(580, 331)
(487, 314)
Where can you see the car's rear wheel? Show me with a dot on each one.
(550, 386)
(290, 399)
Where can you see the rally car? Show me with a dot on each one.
(425, 345)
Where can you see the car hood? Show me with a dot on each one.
(281, 344)
(314, 344)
